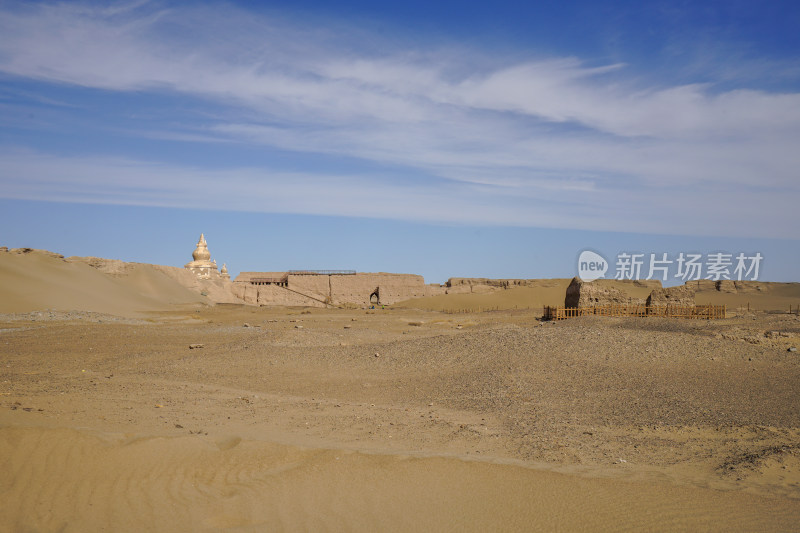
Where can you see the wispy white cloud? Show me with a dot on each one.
(538, 141)
(543, 202)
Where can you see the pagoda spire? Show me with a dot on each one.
(202, 265)
(201, 253)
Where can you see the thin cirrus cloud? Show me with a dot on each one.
(489, 140)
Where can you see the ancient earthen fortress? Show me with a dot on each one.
(322, 288)
(314, 288)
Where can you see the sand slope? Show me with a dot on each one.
(37, 280)
(762, 296)
(141, 274)
(68, 480)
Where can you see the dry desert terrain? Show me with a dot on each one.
(396, 419)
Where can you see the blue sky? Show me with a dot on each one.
(446, 139)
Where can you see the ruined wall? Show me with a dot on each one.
(316, 286)
(480, 285)
(470, 286)
(490, 282)
(434, 289)
(354, 288)
(682, 295)
(316, 290)
(732, 286)
(392, 287)
(246, 292)
(277, 295)
(488, 285)
(590, 294)
(272, 295)
(672, 300)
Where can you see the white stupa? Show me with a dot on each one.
(203, 266)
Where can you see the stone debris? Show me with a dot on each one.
(777, 334)
(68, 316)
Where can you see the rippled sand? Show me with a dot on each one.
(71, 480)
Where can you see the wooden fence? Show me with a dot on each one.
(623, 310)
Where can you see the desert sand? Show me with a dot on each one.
(426, 416)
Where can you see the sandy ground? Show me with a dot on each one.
(397, 420)
(454, 413)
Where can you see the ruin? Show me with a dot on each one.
(585, 298)
(680, 295)
(588, 294)
(322, 288)
(312, 288)
(202, 266)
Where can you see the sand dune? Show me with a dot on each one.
(762, 296)
(37, 280)
(69, 480)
